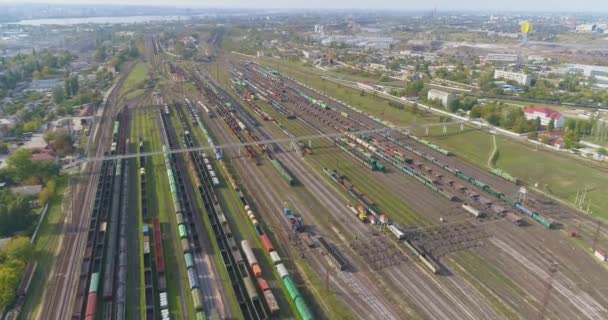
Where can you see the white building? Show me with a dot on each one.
(313, 54)
(586, 69)
(376, 67)
(501, 57)
(444, 97)
(518, 77)
(545, 115)
(586, 28)
(599, 73)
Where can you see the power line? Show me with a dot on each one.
(262, 142)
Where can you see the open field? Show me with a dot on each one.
(132, 85)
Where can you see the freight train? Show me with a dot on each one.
(367, 210)
(196, 294)
(339, 123)
(504, 175)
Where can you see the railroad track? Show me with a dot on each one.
(467, 169)
(333, 208)
(60, 299)
(303, 172)
(234, 264)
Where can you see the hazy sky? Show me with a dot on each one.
(510, 5)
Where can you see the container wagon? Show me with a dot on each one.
(472, 210)
(396, 232)
(251, 259)
(250, 288)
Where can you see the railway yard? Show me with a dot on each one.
(232, 191)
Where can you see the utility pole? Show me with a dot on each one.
(548, 290)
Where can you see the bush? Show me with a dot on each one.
(13, 259)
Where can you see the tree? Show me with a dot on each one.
(60, 141)
(413, 88)
(9, 281)
(493, 118)
(22, 168)
(12, 264)
(571, 139)
(551, 125)
(74, 84)
(31, 126)
(47, 193)
(454, 105)
(603, 151)
(18, 248)
(71, 86)
(46, 71)
(475, 112)
(510, 117)
(486, 81)
(15, 213)
(537, 122)
(3, 148)
(21, 163)
(58, 95)
(100, 54)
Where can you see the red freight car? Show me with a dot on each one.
(263, 284)
(91, 305)
(266, 242)
(160, 261)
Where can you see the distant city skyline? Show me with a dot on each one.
(440, 5)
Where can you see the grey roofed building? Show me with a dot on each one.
(45, 85)
(28, 190)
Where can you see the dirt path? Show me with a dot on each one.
(493, 153)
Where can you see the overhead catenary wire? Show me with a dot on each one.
(265, 141)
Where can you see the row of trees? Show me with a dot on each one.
(13, 261)
(459, 74)
(15, 213)
(26, 66)
(22, 170)
(574, 129)
(462, 103)
(508, 118)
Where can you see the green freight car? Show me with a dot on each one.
(462, 176)
(94, 283)
(478, 183)
(291, 287)
(197, 299)
(497, 195)
(504, 175)
(182, 231)
(303, 309)
(290, 180)
(376, 165)
(189, 260)
(200, 315)
(116, 127)
(547, 223)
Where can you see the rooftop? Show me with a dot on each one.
(549, 113)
